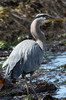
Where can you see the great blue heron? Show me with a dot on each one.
(27, 55)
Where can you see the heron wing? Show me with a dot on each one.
(28, 53)
(15, 56)
(32, 58)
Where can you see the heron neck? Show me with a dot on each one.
(38, 34)
(42, 44)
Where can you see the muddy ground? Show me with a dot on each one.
(15, 22)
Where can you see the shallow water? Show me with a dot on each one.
(53, 71)
(61, 93)
(56, 73)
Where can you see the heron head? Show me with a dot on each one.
(43, 18)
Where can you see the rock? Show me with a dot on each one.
(45, 87)
(51, 87)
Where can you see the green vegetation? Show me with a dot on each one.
(3, 13)
(62, 43)
(62, 36)
(4, 45)
(29, 97)
(19, 39)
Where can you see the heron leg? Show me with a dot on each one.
(26, 85)
(31, 77)
(32, 85)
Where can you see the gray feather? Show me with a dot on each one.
(26, 56)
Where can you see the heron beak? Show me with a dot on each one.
(57, 19)
(52, 18)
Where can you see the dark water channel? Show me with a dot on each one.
(53, 71)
